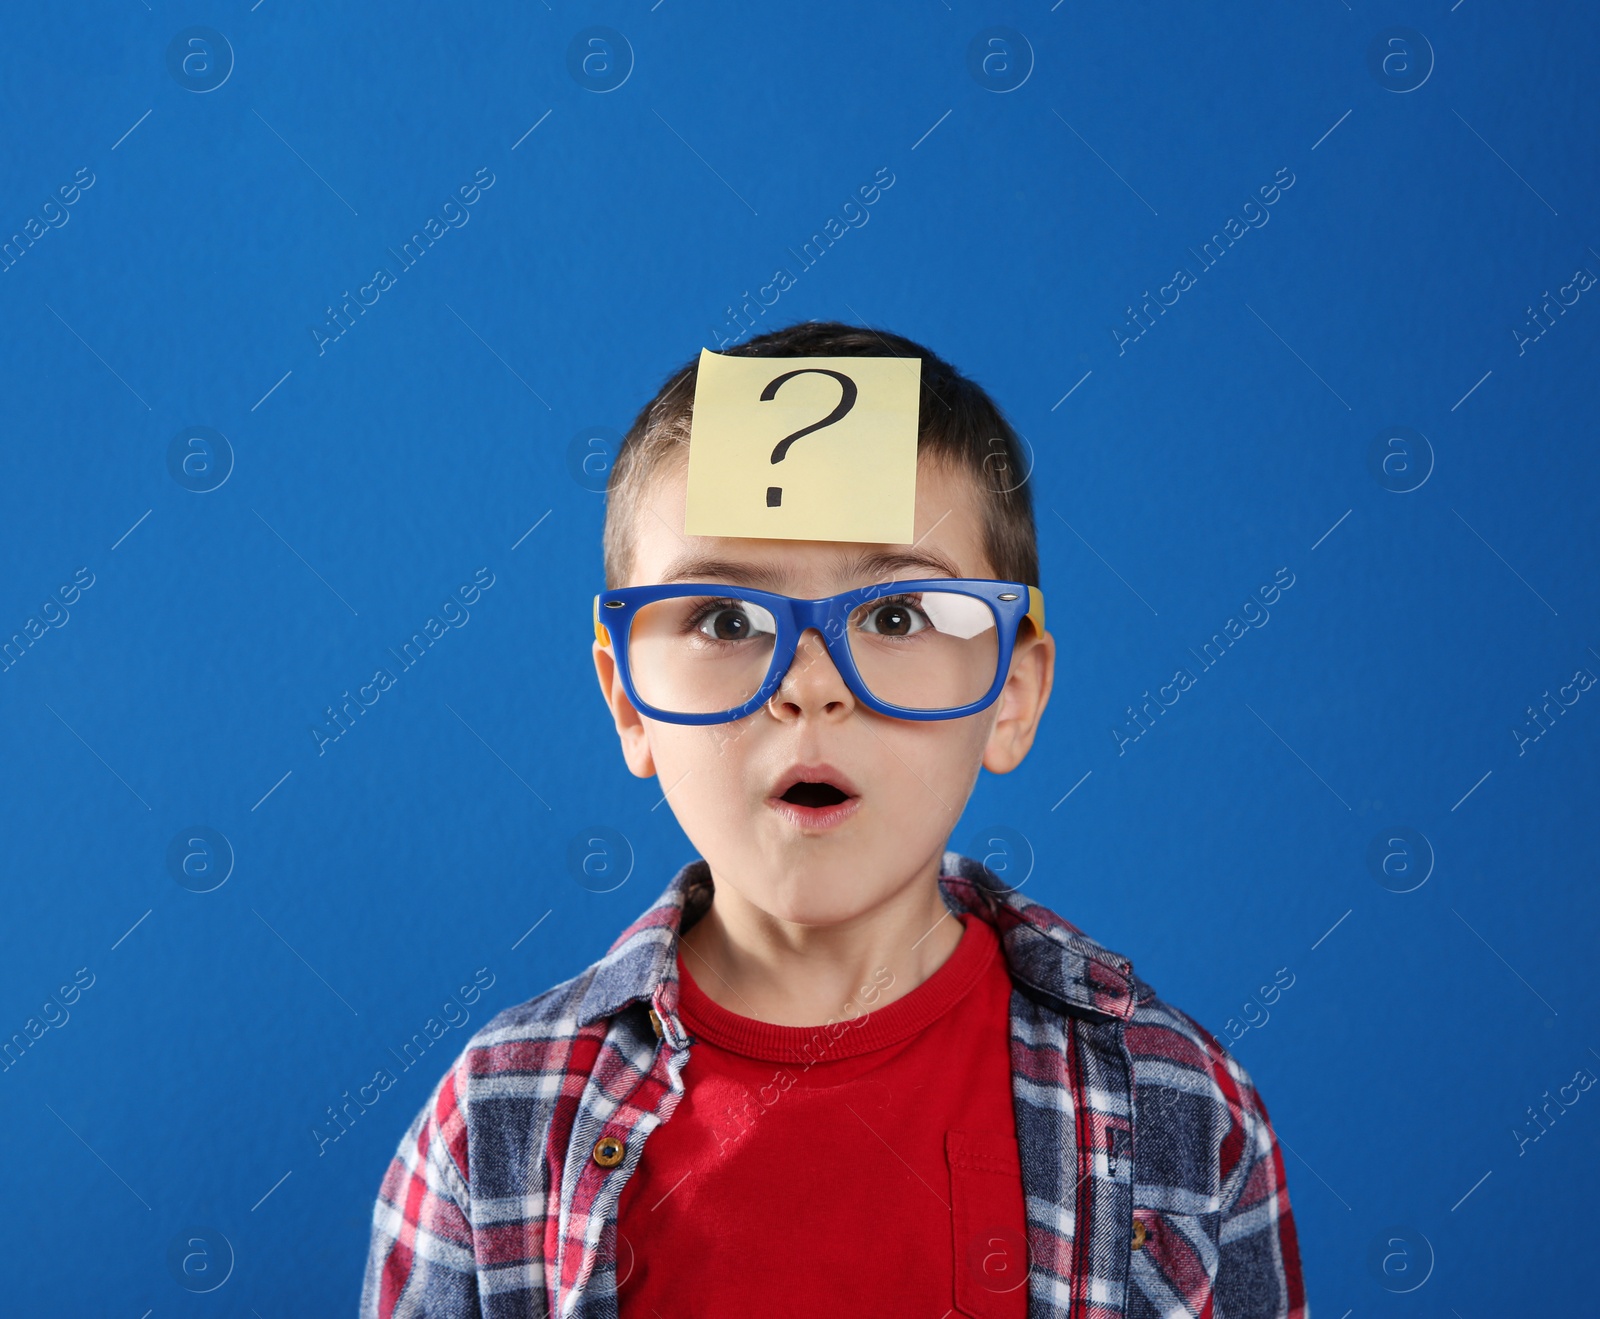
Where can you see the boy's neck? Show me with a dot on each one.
(787, 974)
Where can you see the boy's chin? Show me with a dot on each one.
(815, 895)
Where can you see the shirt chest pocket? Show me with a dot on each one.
(1172, 1266)
(988, 1224)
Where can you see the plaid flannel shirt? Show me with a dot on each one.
(1152, 1181)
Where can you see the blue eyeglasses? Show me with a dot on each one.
(697, 653)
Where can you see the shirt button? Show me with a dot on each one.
(608, 1151)
(1140, 1234)
(655, 1024)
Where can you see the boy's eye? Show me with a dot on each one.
(727, 625)
(894, 618)
(732, 620)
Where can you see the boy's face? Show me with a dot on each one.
(911, 777)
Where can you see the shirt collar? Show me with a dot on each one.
(1067, 969)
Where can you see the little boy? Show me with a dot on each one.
(835, 1069)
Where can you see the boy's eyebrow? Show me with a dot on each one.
(879, 566)
(889, 564)
(708, 568)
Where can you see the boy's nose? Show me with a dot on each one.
(812, 685)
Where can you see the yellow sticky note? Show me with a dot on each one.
(804, 448)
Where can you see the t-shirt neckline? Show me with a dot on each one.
(849, 1036)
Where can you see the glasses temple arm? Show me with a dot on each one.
(1035, 609)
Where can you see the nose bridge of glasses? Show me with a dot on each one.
(810, 614)
(830, 617)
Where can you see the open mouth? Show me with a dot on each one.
(815, 795)
(819, 798)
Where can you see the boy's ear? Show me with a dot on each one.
(1021, 701)
(630, 726)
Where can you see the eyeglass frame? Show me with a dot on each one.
(1011, 602)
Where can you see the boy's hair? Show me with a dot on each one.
(958, 424)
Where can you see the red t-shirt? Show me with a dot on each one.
(868, 1167)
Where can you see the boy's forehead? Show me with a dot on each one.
(948, 543)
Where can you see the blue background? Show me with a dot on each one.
(1174, 475)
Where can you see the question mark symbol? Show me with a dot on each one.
(847, 400)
